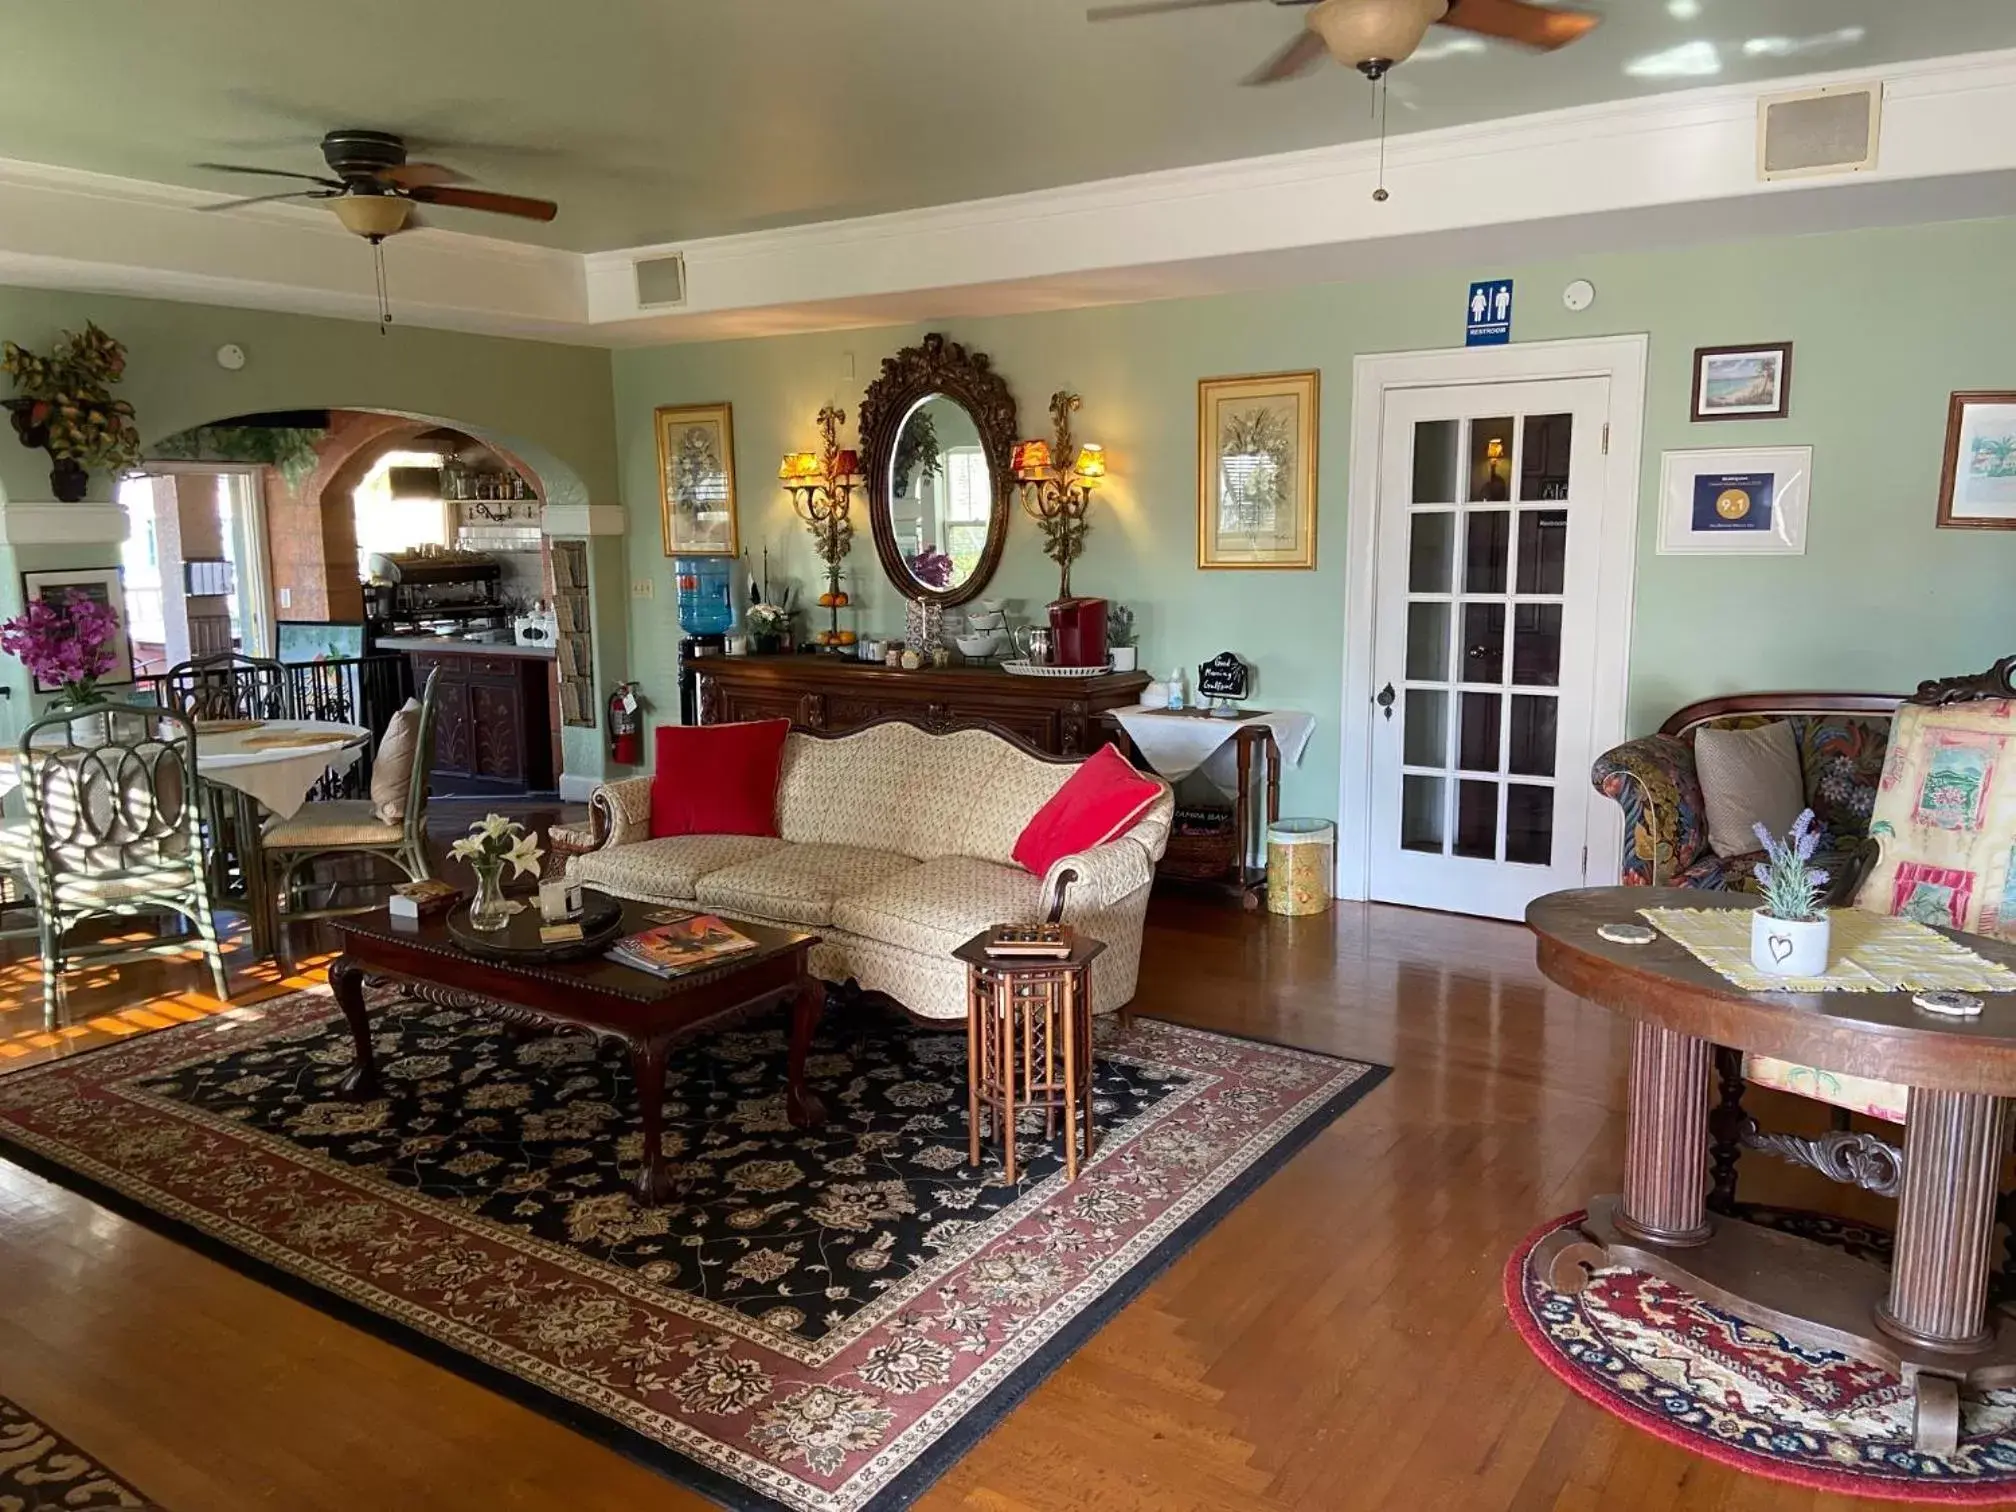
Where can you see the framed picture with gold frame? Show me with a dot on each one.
(696, 480)
(1256, 470)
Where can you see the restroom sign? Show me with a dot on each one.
(1487, 318)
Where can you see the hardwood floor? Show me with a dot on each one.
(1336, 1343)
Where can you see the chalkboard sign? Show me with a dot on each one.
(1224, 676)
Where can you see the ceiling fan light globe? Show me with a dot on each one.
(1374, 33)
(372, 214)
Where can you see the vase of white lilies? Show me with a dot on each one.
(1789, 935)
(490, 846)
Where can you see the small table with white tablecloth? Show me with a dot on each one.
(1229, 752)
(264, 767)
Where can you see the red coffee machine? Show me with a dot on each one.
(1078, 632)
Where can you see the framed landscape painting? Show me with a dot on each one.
(696, 480)
(1977, 488)
(107, 585)
(1743, 382)
(1256, 471)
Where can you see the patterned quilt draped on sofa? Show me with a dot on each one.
(1654, 781)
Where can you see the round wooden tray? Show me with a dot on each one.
(601, 924)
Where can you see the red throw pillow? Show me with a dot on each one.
(1101, 801)
(717, 779)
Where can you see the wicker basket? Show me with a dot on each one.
(1203, 845)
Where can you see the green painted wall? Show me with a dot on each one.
(551, 403)
(1886, 323)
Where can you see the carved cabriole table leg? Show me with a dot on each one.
(1953, 1145)
(1666, 1140)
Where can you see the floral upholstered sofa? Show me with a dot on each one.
(896, 846)
(1841, 739)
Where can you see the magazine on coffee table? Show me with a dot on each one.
(670, 949)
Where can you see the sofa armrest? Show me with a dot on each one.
(1090, 881)
(1653, 780)
(620, 811)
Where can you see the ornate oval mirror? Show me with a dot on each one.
(937, 431)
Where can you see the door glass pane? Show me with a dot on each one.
(1477, 733)
(1490, 460)
(1483, 643)
(1431, 550)
(1543, 551)
(1421, 814)
(1428, 642)
(1435, 443)
(1477, 820)
(1536, 645)
(1543, 456)
(1529, 823)
(1425, 741)
(1486, 543)
(1533, 725)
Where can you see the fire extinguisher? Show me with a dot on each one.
(626, 726)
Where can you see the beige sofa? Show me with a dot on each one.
(896, 847)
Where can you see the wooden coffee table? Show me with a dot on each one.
(1926, 1317)
(649, 1014)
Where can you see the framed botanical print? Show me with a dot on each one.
(1256, 471)
(105, 585)
(1743, 382)
(696, 480)
(1735, 502)
(1977, 488)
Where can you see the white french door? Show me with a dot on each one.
(1489, 524)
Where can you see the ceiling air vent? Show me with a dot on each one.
(661, 281)
(1816, 131)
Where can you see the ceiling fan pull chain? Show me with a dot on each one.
(1379, 195)
(378, 267)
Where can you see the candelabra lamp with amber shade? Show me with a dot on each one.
(822, 485)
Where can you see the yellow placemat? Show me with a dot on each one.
(1868, 953)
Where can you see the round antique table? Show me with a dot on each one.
(1926, 1317)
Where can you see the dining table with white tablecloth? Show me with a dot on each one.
(261, 767)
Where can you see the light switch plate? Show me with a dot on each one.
(643, 588)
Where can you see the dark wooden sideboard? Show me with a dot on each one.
(1059, 716)
(493, 720)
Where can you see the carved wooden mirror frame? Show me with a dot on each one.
(938, 366)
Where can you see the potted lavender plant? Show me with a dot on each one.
(1789, 934)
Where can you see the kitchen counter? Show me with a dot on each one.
(443, 645)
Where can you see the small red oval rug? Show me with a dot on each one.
(1665, 1361)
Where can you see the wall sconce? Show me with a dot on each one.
(1057, 479)
(821, 485)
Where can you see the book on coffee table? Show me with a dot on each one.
(669, 949)
(422, 900)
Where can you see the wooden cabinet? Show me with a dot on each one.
(493, 721)
(1058, 716)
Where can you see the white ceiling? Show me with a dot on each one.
(666, 120)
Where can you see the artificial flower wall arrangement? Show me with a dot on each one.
(63, 405)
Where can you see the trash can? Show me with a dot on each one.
(1300, 861)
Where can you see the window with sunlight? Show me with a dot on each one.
(386, 525)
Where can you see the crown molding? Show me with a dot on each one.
(72, 229)
(1657, 170)
(30, 522)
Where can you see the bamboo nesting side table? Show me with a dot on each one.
(1029, 1045)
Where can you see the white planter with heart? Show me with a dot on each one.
(1789, 947)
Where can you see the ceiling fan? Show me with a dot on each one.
(373, 188)
(1373, 35)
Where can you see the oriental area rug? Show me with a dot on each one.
(41, 1471)
(1736, 1391)
(821, 1320)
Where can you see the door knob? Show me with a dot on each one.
(1385, 700)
